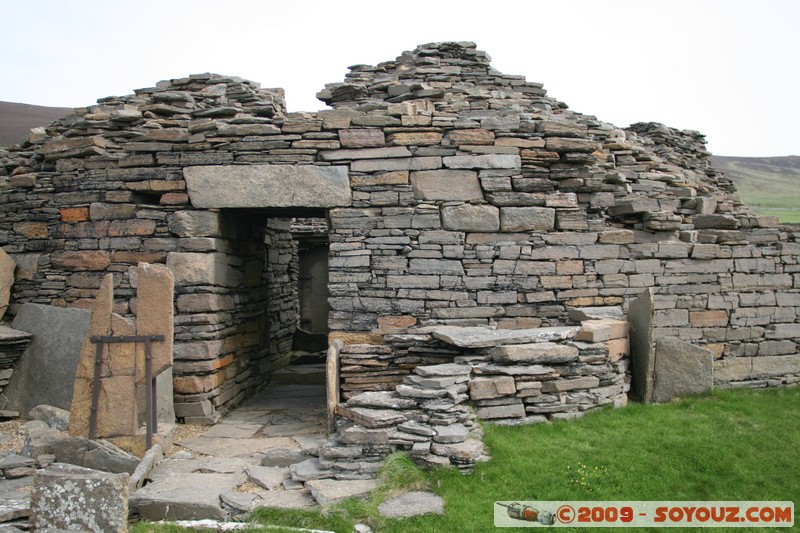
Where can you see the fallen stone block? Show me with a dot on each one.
(69, 497)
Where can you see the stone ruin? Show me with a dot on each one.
(458, 235)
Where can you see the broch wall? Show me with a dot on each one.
(455, 195)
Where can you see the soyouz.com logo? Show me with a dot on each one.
(643, 514)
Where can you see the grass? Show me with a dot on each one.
(727, 445)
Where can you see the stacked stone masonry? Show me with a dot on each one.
(455, 195)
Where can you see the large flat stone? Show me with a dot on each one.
(640, 317)
(222, 447)
(681, 369)
(412, 504)
(45, 374)
(478, 337)
(69, 497)
(184, 496)
(540, 353)
(328, 491)
(222, 186)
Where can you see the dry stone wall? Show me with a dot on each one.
(469, 198)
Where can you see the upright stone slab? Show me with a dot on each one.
(222, 186)
(640, 317)
(45, 374)
(154, 312)
(73, 498)
(7, 267)
(681, 369)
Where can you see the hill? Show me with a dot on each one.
(771, 185)
(16, 120)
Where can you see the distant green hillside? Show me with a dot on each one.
(771, 185)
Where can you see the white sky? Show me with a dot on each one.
(728, 68)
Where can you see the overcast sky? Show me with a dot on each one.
(728, 68)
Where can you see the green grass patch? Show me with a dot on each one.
(727, 445)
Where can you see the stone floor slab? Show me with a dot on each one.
(328, 491)
(232, 431)
(412, 504)
(220, 447)
(184, 496)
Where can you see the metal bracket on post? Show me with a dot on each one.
(151, 416)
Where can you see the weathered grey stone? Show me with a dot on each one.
(451, 434)
(195, 223)
(512, 370)
(478, 337)
(328, 491)
(468, 217)
(681, 369)
(52, 416)
(516, 219)
(482, 388)
(246, 502)
(579, 314)
(268, 186)
(482, 161)
(45, 373)
(437, 382)
(447, 185)
(417, 429)
(563, 385)
(381, 400)
(469, 451)
(282, 457)
(447, 369)
(541, 353)
(412, 504)
(640, 317)
(268, 477)
(516, 410)
(184, 496)
(371, 418)
(151, 459)
(68, 497)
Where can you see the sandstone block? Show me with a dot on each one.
(195, 223)
(446, 185)
(483, 388)
(514, 219)
(603, 330)
(471, 218)
(362, 137)
(198, 268)
(708, 319)
(486, 161)
(222, 186)
(83, 260)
